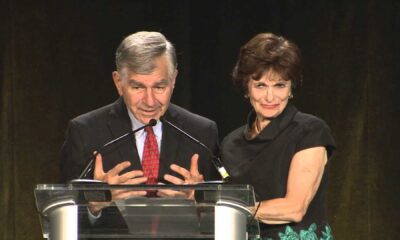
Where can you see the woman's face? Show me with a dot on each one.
(269, 95)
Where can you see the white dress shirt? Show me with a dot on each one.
(141, 135)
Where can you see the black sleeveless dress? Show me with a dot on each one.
(264, 162)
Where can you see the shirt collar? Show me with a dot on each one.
(136, 124)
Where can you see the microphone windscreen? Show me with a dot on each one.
(152, 122)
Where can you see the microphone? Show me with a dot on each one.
(215, 160)
(89, 166)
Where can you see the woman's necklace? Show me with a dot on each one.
(256, 128)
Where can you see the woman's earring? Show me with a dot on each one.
(290, 95)
(246, 96)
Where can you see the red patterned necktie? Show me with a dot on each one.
(151, 157)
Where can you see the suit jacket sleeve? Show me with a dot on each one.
(72, 155)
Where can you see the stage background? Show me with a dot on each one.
(56, 60)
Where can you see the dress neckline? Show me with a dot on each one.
(273, 129)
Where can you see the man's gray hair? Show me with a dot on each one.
(137, 52)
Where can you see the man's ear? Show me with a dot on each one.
(174, 78)
(117, 82)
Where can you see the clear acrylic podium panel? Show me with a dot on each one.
(145, 217)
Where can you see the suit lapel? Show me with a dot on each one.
(170, 143)
(120, 124)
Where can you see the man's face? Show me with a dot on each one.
(147, 96)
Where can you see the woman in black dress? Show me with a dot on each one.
(281, 151)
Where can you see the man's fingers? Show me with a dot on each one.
(190, 177)
(194, 166)
(124, 194)
(136, 181)
(173, 179)
(118, 168)
(171, 193)
(198, 178)
(98, 172)
(130, 175)
(182, 171)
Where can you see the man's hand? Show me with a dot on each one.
(189, 177)
(113, 177)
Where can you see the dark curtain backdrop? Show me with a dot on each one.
(57, 57)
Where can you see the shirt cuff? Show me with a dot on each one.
(93, 218)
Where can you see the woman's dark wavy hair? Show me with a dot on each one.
(265, 52)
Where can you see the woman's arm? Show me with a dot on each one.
(305, 173)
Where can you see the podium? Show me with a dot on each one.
(217, 211)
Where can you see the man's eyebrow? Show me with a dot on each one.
(134, 82)
(162, 82)
(139, 84)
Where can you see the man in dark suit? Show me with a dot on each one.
(88, 132)
(145, 78)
